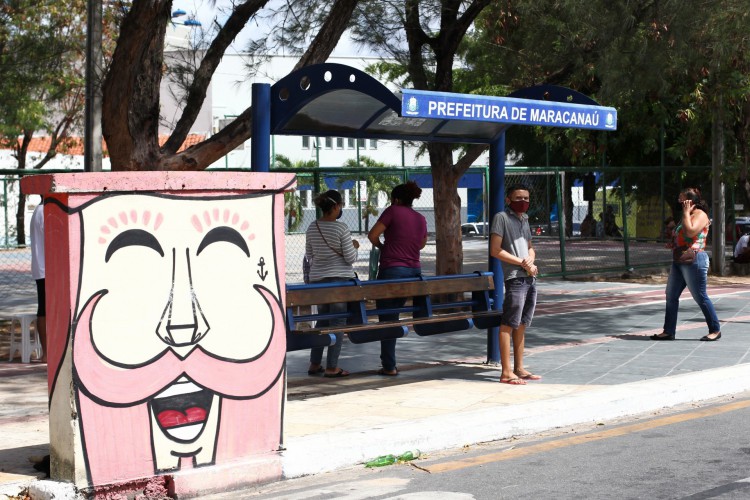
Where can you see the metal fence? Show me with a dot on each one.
(637, 199)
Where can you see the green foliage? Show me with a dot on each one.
(376, 184)
(41, 63)
(668, 67)
(292, 201)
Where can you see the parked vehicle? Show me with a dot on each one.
(539, 229)
(471, 229)
(741, 226)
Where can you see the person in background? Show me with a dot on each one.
(38, 273)
(510, 242)
(690, 233)
(610, 226)
(332, 251)
(600, 226)
(588, 226)
(405, 235)
(742, 250)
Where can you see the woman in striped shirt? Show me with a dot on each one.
(690, 233)
(330, 247)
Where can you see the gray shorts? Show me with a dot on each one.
(519, 302)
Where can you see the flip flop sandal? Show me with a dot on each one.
(386, 374)
(513, 381)
(338, 374)
(530, 376)
(315, 372)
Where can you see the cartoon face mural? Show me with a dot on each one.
(178, 340)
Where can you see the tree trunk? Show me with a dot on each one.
(21, 220)
(743, 145)
(717, 191)
(130, 104)
(21, 152)
(447, 203)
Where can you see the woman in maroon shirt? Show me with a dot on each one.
(405, 233)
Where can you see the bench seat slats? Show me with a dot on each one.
(437, 318)
(463, 312)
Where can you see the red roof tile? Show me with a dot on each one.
(74, 145)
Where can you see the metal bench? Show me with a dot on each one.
(438, 304)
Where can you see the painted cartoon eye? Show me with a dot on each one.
(224, 233)
(133, 237)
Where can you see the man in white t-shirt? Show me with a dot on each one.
(742, 251)
(37, 272)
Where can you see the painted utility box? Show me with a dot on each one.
(166, 346)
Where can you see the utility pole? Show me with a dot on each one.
(92, 135)
(717, 190)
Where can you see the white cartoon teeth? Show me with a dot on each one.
(181, 410)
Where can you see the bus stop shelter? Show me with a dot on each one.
(334, 100)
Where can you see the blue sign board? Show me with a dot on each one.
(449, 106)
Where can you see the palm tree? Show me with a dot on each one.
(376, 183)
(292, 200)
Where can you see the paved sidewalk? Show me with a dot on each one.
(589, 341)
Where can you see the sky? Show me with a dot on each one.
(203, 11)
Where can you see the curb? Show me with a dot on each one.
(340, 449)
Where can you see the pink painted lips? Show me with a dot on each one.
(174, 418)
(182, 409)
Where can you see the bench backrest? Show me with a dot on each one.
(423, 292)
(358, 291)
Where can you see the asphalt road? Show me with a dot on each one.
(695, 452)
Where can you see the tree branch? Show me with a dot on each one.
(329, 35)
(202, 78)
(416, 38)
(467, 160)
(212, 149)
(60, 133)
(238, 131)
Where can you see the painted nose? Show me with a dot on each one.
(182, 323)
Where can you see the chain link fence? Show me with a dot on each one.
(16, 283)
(584, 221)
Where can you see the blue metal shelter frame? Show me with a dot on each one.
(334, 100)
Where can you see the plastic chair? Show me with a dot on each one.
(22, 340)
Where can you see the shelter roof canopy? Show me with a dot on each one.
(327, 100)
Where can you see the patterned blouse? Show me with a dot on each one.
(698, 243)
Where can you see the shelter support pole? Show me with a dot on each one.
(261, 128)
(497, 204)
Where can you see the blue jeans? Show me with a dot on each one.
(388, 347)
(316, 353)
(694, 276)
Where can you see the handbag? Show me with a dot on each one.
(683, 255)
(306, 266)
